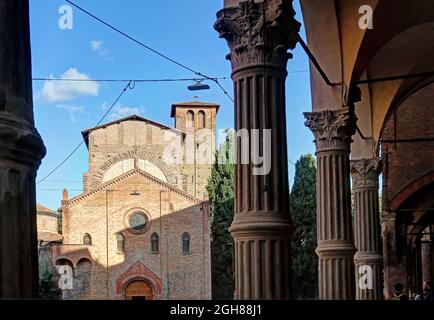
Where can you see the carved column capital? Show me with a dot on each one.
(388, 217)
(332, 129)
(259, 33)
(364, 173)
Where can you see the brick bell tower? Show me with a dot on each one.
(198, 121)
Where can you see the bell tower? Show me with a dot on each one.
(198, 121)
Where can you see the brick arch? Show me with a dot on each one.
(84, 258)
(411, 189)
(139, 272)
(132, 154)
(63, 257)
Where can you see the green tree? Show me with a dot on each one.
(59, 220)
(221, 195)
(48, 290)
(303, 212)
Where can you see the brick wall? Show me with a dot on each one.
(182, 276)
(409, 161)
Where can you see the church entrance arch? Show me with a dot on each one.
(138, 290)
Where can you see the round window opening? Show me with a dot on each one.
(138, 222)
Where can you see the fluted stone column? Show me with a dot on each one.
(259, 35)
(368, 259)
(21, 150)
(333, 131)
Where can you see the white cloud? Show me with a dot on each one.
(72, 110)
(62, 91)
(98, 47)
(120, 111)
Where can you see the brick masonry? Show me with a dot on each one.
(407, 169)
(407, 162)
(167, 194)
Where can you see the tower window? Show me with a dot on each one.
(201, 120)
(190, 120)
(185, 243)
(155, 243)
(120, 242)
(87, 239)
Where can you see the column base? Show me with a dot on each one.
(262, 250)
(336, 270)
(368, 271)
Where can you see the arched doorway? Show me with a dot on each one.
(138, 290)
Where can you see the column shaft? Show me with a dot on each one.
(392, 268)
(427, 257)
(259, 36)
(333, 131)
(368, 259)
(21, 152)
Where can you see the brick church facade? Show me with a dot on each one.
(140, 229)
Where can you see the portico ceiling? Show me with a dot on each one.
(400, 43)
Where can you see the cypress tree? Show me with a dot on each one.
(221, 195)
(304, 241)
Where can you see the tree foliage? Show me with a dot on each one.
(304, 241)
(221, 195)
(48, 290)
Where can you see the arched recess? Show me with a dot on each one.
(63, 261)
(127, 165)
(84, 278)
(156, 160)
(138, 289)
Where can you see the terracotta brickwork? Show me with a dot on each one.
(127, 175)
(407, 162)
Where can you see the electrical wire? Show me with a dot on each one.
(125, 80)
(130, 86)
(290, 161)
(150, 49)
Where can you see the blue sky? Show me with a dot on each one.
(181, 29)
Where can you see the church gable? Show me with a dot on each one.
(131, 123)
(135, 181)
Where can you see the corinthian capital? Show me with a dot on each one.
(259, 32)
(365, 173)
(332, 129)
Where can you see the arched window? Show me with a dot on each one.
(201, 120)
(87, 239)
(190, 120)
(155, 246)
(185, 243)
(120, 242)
